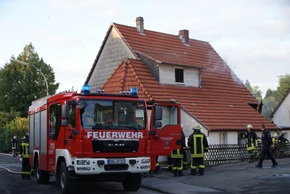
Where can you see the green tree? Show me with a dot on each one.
(17, 127)
(284, 85)
(269, 93)
(269, 105)
(273, 97)
(7, 117)
(255, 90)
(21, 84)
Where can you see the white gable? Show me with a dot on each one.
(114, 50)
(282, 115)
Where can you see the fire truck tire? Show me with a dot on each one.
(42, 177)
(132, 182)
(67, 184)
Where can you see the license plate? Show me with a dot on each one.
(117, 161)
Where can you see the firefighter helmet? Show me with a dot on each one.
(197, 128)
(249, 126)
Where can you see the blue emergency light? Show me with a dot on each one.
(134, 91)
(86, 89)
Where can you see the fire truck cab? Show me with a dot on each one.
(99, 136)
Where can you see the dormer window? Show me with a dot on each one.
(179, 75)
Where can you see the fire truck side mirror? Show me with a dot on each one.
(64, 123)
(157, 124)
(82, 105)
(157, 117)
(64, 111)
(158, 113)
(64, 115)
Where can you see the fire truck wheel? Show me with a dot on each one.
(42, 177)
(67, 184)
(132, 182)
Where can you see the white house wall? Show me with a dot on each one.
(214, 138)
(113, 52)
(167, 75)
(282, 116)
(188, 123)
(230, 137)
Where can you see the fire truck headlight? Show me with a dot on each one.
(83, 162)
(145, 161)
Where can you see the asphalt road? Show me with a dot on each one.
(235, 178)
(12, 183)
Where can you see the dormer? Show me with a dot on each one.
(173, 74)
(179, 75)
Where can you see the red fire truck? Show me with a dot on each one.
(99, 136)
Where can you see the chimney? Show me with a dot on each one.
(184, 36)
(140, 25)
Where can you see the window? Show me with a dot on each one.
(113, 114)
(72, 115)
(223, 138)
(179, 75)
(55, 116)
(169, 115)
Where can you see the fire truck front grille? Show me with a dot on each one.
(116, 167)
(109, 146)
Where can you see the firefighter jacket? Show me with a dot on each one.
(179, 152)
(198, 144)
(266, 138)
(14, 143)
(24, 150)
(250, 137)
(275, 140)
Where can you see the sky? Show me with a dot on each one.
(252, 36)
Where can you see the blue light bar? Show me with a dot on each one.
(134, 91)
(86, 89)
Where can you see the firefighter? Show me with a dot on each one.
(197, 142)
(14, 144)
(282, 138)
(266, 146)
(26, 169)
(157, 166)
(169, 161)
(177, 157)
(275, 141)
(250, 136)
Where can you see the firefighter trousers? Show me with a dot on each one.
(177, 166)
(197, 164)
(26, 169)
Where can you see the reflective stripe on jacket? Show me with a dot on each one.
(198, 144)
(176, 153)
(24, 150)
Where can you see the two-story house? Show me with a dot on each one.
(175, 67)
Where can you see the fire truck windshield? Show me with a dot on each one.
(113, 114)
